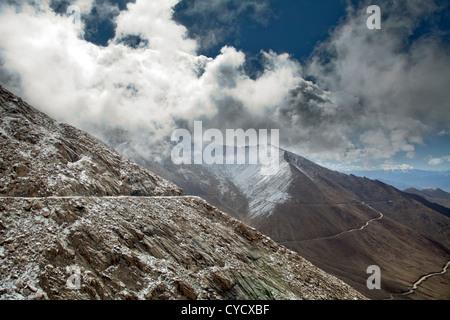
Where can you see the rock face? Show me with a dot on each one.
(148, 248)
(78, 221)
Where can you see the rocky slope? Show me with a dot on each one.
(147, 248)
(79, 221)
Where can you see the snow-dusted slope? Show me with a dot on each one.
(262, 190)
(146, 248)
(262, 186)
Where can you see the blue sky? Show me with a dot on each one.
(291, 26)
(307, 21)
(342, 95)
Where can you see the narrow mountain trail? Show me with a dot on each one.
(196, 197)
(352, 230)
(101, 197)
(368, 222)
(415, 285)
(421, 280)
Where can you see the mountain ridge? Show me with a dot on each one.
(411, 178)
(437, 196)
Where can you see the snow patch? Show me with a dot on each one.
(263, 191)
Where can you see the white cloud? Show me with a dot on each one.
(84, 5)
(379, 98)
(78, 82)
(401, 87)
(143, 89)
(437, 161)
(152, 20)
(281, 75)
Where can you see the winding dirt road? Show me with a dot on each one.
(416, 284)
(353, 230)
(368, 222)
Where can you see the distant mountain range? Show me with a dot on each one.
(437, 196)
(405, 179)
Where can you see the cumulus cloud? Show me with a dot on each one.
(365, 95)
(146, 90)
(77, 81)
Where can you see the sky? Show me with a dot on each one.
(341, 94)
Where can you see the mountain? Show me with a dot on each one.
(80, 221)
(437, 196)
(404, 179)
(342, 223)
